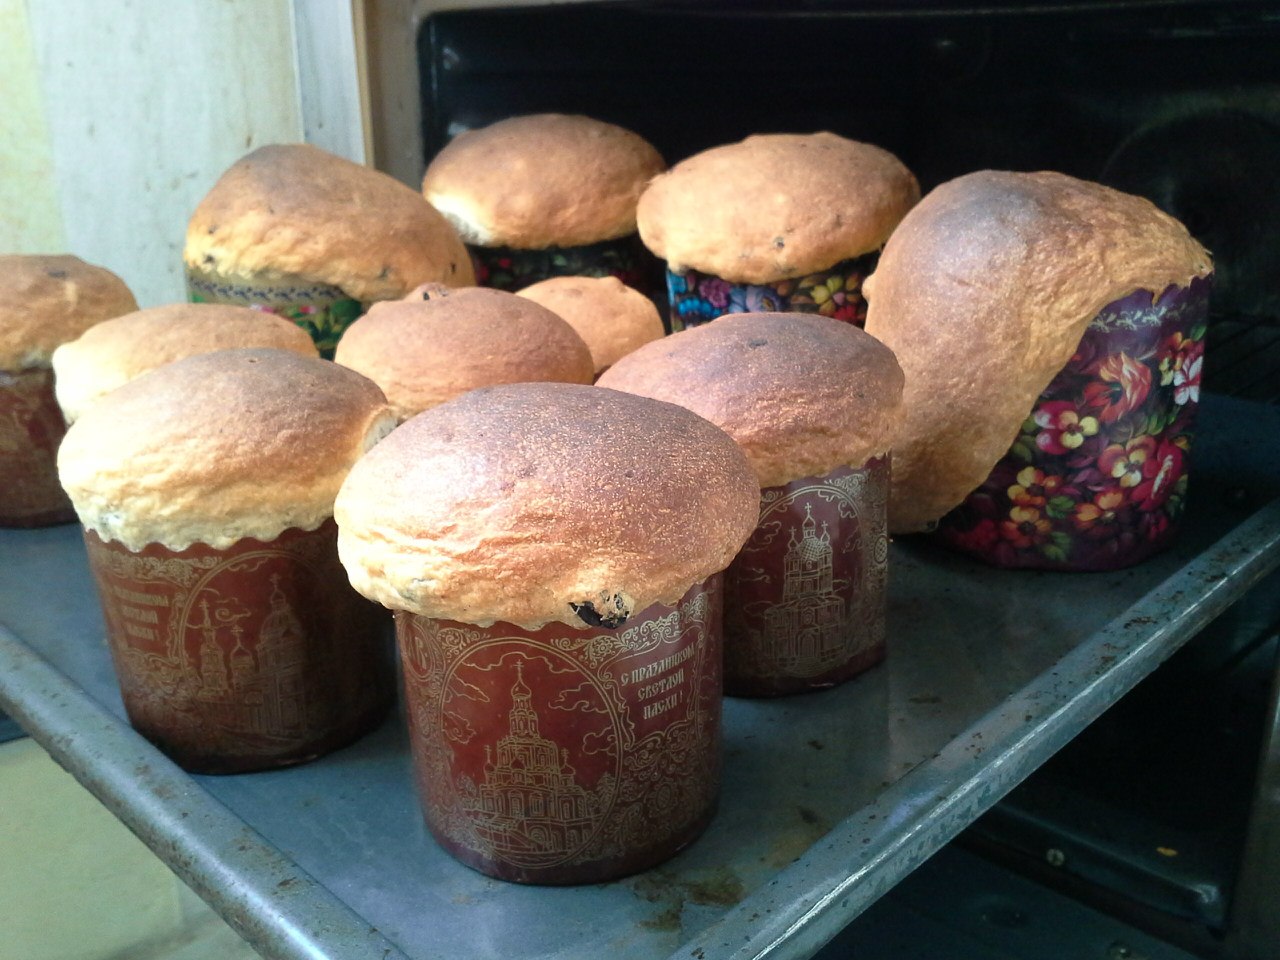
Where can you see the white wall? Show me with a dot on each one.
(116, 116)
(146, 102)
(30, 221)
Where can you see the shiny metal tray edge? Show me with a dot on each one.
(865, 855)
(267, 898)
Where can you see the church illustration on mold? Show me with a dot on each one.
(530, 807)
(263, 691)
(809, 618)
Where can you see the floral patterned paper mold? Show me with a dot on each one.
(323, 311)
(1097, 477)
(506, 268)
(805, 598)
(31, 427)
(566, 756)
(249, 658)
(697, 298)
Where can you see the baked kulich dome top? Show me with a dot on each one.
(983, 293)
(775, 206)
(220, 446)
(110, 354)
(299, 211)
(802, 395)
(540, 502)
(611, 317)
(542, 180)
(443, 342)
(46, 300)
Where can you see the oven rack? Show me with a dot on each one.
(829, 799)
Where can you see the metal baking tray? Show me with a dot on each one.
(829, 799)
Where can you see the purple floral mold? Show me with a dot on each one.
(1097, 477)
(697, 298)
(506, 268)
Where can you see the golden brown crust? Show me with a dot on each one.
(984, 292)
(218, 447)
(611, 317)
(802, 395)
(47, 300)
(426, 351)
(542, 180)
(110, 354)
(295, 210)
(516, 503)
(775, 206)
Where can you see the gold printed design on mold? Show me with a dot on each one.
(815, 621)
(596, 743)
(197, 662)
(31, 427)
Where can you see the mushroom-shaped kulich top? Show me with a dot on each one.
(775, 206)
(540, 502)
(542, 180)
(424, 351)
(610, 316)
(113, 352)
(218, 447)
(295, 210)
(802, 395)
(47, 300)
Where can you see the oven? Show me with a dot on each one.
(1115, 737)
(1175, 101)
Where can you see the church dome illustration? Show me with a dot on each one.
(253, 684)
(530, 807)
(806, 624)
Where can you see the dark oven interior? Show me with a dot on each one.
(1177, 101)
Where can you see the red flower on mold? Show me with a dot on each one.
(1062, 429)
(980, 539)
(1126, 464)
(854, 313)
(1155, 525)
(1122, 384)
(1025, 528)
(1033, 488)
(1159, 474)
